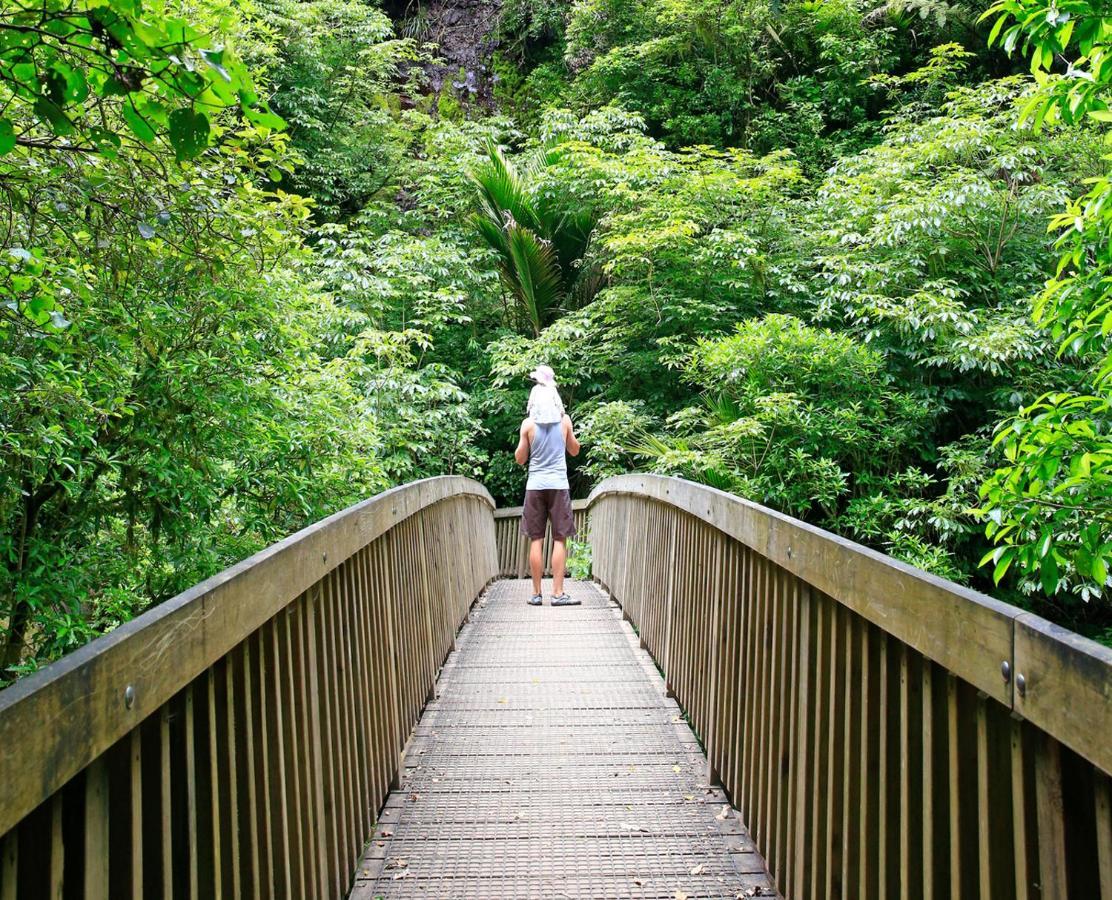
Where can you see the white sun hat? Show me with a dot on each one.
(543, 375)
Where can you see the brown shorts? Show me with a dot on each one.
(540, 506)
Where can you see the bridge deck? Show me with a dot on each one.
(552, 765)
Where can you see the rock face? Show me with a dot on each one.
(463, 31)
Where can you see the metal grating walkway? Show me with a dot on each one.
(551, 765)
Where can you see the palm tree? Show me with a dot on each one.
(538, 245)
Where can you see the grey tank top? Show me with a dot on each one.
(548, 467)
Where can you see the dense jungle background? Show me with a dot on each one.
(262, 259)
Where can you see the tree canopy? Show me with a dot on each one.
(849, 260)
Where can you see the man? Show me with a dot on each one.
(546, 493)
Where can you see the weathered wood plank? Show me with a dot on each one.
(1067, 687)
(967, 632)
(168, 646)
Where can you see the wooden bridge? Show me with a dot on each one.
(743, 705)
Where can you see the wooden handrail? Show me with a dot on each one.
(301, 670)
(884, 732)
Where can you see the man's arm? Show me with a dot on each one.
(525, 438)
(570, 440)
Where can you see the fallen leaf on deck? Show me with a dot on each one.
(724, 813)
(699, 869)
(676, 769)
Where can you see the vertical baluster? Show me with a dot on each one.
(166, 802)
(191, 796)
(868, 843)
(334, 810)
(135, 759)
(304, 749)
(288, 880)
(750, 686)
(393, 693)
(376, 682)
(664, 651)
(9, 865)
(58, 849)
(953, 722)
(253, 873)
(775, 844)
(835, 750)
(852, 750)
(347, 806)
(772, 652)
(910, 723)
(732, 624)
(380, 675)
(801, 872)
(292, 719)
(273, 867)
(232, 755)
(314, 741)
(884, 819)
(369, 688)
(984, 807)
(929, 810)
(1102, 801)
(820, 739)
(215, 810)
(354, 695)
(1051, 821)
(791, 713)
(714, 683)
(1020, 800)
(741, 689)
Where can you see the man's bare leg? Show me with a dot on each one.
(536, 562)
(559, 563)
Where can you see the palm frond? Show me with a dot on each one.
(536, 274)
(503, 190)
(537, 246)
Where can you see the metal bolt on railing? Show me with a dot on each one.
(1006, 671)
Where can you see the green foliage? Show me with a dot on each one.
(184, 418)
(80, 76)
(1048, 506)
(788, 249)
(329, 63)
(579, 558)
(792, 414)
(527, 27)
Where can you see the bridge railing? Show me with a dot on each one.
(885, 733)
(239, 739)
(513, 547)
